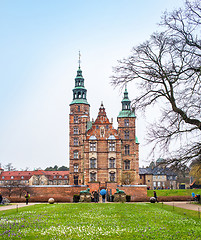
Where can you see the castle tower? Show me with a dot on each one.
(130, 145)
(78, 120)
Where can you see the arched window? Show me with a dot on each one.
(75, 154)
(111, 146)
(127, 165)
(75, 119)
(92, 146)
(112, 163)
(75, 141)
(75, 168)
(92, 177)
(126, 134)
(92, 163)
(75, 130)
(127, 149)
(112, 176)
(126, 122)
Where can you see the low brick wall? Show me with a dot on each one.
(65, 193)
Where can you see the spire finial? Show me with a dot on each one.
(126, 86)
(79, 59)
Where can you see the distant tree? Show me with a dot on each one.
(56, 168)
(63, 168)
(9, 167)
(167, 69)
(127, 178)
(195, 172)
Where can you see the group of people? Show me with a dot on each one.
(95, 195)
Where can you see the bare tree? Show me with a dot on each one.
(167, 70)
(9, 167)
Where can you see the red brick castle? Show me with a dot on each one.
(100, 154)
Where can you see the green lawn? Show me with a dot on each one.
(174, 192)
(100, 221)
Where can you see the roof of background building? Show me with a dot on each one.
(157, 171)
(26, 175)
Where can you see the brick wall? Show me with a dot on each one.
(65, 193)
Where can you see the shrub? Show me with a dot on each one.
(76, 198)
(128, 198)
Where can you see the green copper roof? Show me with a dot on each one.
(89, 125)
(75, 101)
(126, 113)
(136, 139)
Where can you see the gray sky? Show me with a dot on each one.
(39, 46)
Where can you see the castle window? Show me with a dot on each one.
(75, 119)
(75, 141)
(127, 165)
(111, 146)
(92, 177)
(75, 130)
(92, 163)
(76, 168)
(75, 180)
(78, 108)
(97, 127)
(55, 176)
(126, 134)
(126, 122)
(127, 149)
(112, 163)
(75, 154)
(22, 177)
(12, 177)
(3, 177)
(92, 146)
(60, 176)
(112, 177)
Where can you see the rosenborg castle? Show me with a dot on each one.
(98, 152)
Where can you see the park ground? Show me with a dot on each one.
(100, 221)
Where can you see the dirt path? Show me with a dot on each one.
(185, 205)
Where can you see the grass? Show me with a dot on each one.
(174, 192)
(100, 221)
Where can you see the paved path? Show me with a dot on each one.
(185, 205)
(15, 206)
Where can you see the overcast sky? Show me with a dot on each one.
(39, 45)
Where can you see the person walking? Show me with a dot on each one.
(27, 196)
(96, 195)
(155, 195)
(1, 199)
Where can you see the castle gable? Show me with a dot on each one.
(102, 128)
